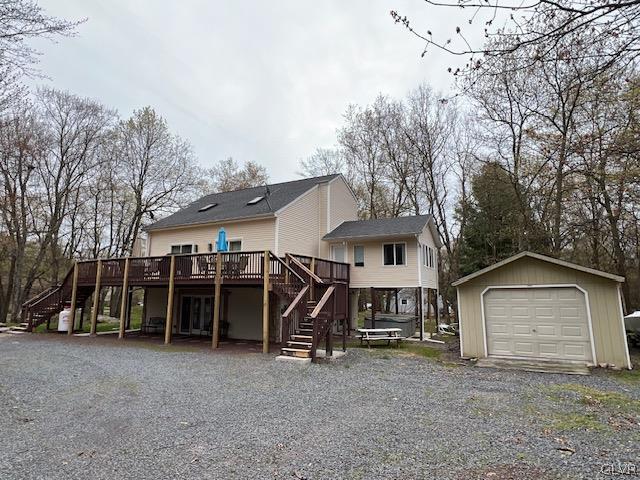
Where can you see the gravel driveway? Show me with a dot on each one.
(93, 408)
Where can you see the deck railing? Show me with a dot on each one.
(287, 277)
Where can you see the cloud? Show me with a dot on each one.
(261, 81)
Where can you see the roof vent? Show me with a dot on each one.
(255, 200)
(207, 207)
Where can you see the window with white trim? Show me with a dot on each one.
(235, 245)
(184, 248)
(394, 253)
(428, 256)
(358, 256)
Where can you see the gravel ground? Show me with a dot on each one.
(93, 408)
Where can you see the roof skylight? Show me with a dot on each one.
(207, 207)
(255, 200)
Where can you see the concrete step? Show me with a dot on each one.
(296, 352)
(289, 358)
(535, 365)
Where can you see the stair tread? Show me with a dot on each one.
(291, 343)
(292, 349)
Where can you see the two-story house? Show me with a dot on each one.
(287, 244)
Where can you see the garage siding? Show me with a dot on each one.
(609, 338)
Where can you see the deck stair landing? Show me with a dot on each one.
(535, 365)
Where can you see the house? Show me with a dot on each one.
(295, 258)
(539, 309)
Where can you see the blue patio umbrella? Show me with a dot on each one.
(221, 244)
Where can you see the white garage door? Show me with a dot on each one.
(537, 322)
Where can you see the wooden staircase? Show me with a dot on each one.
(307, 322)
(301, 342)
(42, 307)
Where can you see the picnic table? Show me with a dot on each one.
(385, 334)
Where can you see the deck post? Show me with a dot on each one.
(312, 267)
(168, 326)
(124, 298)
(74, 299)
(396, 292)
(96, 300)
(420, 313)
(373, 307)
(215, 329)
(265, 304)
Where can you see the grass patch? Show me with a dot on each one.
(577, 421)
(601, 399)
(407, 348)
(600, 410)
(628, 376)
(420, 350)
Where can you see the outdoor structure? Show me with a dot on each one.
(534, 307)
(273, 264)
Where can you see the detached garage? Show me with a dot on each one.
(532, 307)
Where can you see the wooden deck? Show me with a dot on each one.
(298, 280)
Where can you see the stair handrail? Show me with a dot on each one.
(293, 305)
(322, 326)
(302, 266)
(284, 264)
(325, 298)
(40, 295)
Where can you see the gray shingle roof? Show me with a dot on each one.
(233, 205)
(379, 227)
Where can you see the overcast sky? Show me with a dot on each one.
(255, 80)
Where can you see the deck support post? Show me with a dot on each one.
(215, 329)
(96, 300)
(396, 292)
(265, 304)
(168, 326)
(373, 307)
(124, 299)
(74, 299)
(420, 313)
(312, 290)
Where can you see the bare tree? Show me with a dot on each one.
(228, 175)
(537, 26)
(158, 167)
(324, 161)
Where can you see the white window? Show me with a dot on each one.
(338, 253)
(429, 256)
(394, 253)
(186, 248)
(358, 256)
(235, 245)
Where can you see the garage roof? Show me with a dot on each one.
(544, 258)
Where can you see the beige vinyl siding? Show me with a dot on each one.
(342, 205)
(429, 275)
(255, 235)
(608, 334)
(375, 274)
(299, 224)
(323, 211)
